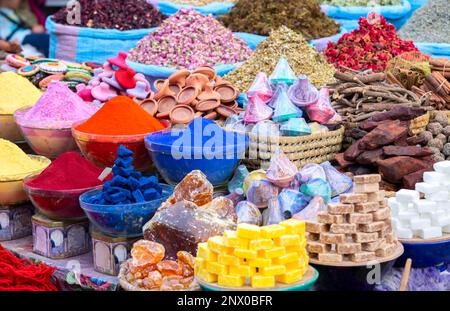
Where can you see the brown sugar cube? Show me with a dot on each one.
(340, 209)
(382, 214)
(318, 248)
(366, 188)
(362, 256)
(383, 203)
(386, 249)
(376, 196)
(312, 236)
(315, 227)
(326, 218)
(362, 237)
(375, 226)
(353, 198)
(373, 246)
(330, 257)
(343, 228)
(367, 207)
(390, 238)
(367, 179)
(385, 231)
(358, 218)
(348, 248)
(332, 238)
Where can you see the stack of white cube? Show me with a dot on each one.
(428, 218)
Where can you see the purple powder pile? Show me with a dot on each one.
(420, 279)
(114, 14)
(57, 108)
(189, 40)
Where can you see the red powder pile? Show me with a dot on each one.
(70, 171)
(120, 116)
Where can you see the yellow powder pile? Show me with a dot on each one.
(16, 92)
(16, 164)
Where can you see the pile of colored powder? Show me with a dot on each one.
(112, 14)
(16, 164)
(262, 16)
(127, 186)
(70, 171)
(58, 107)
(189, 40)
(302, 57)
(371, 46)
(16, 92)
(120, 116)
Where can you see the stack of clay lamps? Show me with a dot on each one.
(185, 95)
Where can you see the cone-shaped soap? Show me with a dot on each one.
(237, 182)
(295, 127)
(283, 73)
(281, 170)
(284, 108)
(303, 93)
(261, 87)
(257, 111)
(279, 88)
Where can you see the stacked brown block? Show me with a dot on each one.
(358, 229)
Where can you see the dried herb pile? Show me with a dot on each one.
(262, 16)
(431, 23)
(113, 14)
(361, 2)
(302, 57)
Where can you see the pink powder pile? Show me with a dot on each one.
(57, 108)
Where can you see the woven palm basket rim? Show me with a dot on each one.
(127, 286)
(287, 140)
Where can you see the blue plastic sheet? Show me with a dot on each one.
(435, 50)
(393, 13)
(215, 8)
(82, 44)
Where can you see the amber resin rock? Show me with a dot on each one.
(194, 188)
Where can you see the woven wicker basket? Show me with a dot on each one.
(301, 150)
(127, 286)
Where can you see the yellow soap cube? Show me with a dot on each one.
(199, 263)
(299, 247)
(294, 226)
(206, 276)
(231, 239)
(215, 244)
(242, 270)
(273, 270)
(260, 244)
(245, 253)
(273, 252)
(228, 260)
(272, 231)
(248, 231)
(260, 262)
(282, 260)
(288, 240)
(229, 234)
(290, 277)
(204, 252)
(231, 280)
(261, 281)
(216, 268)
(299, 264)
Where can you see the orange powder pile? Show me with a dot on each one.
(120, 116)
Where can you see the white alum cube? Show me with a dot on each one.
(403, 233)
(442, 167)
(407, 216)
(437, 196)
(434, 177)
(441, 222)
(430, 233)
(420, 223)
(427, 188)
(407, 196)
(425, 206)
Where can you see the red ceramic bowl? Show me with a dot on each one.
(101, 149)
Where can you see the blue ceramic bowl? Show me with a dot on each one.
(426, 254)
(217, 164)
(122, 220)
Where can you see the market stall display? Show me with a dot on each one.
(261, 17)
(215, 7)
(302, 58)
(104, 28)
(370, 46)
(188, 40)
